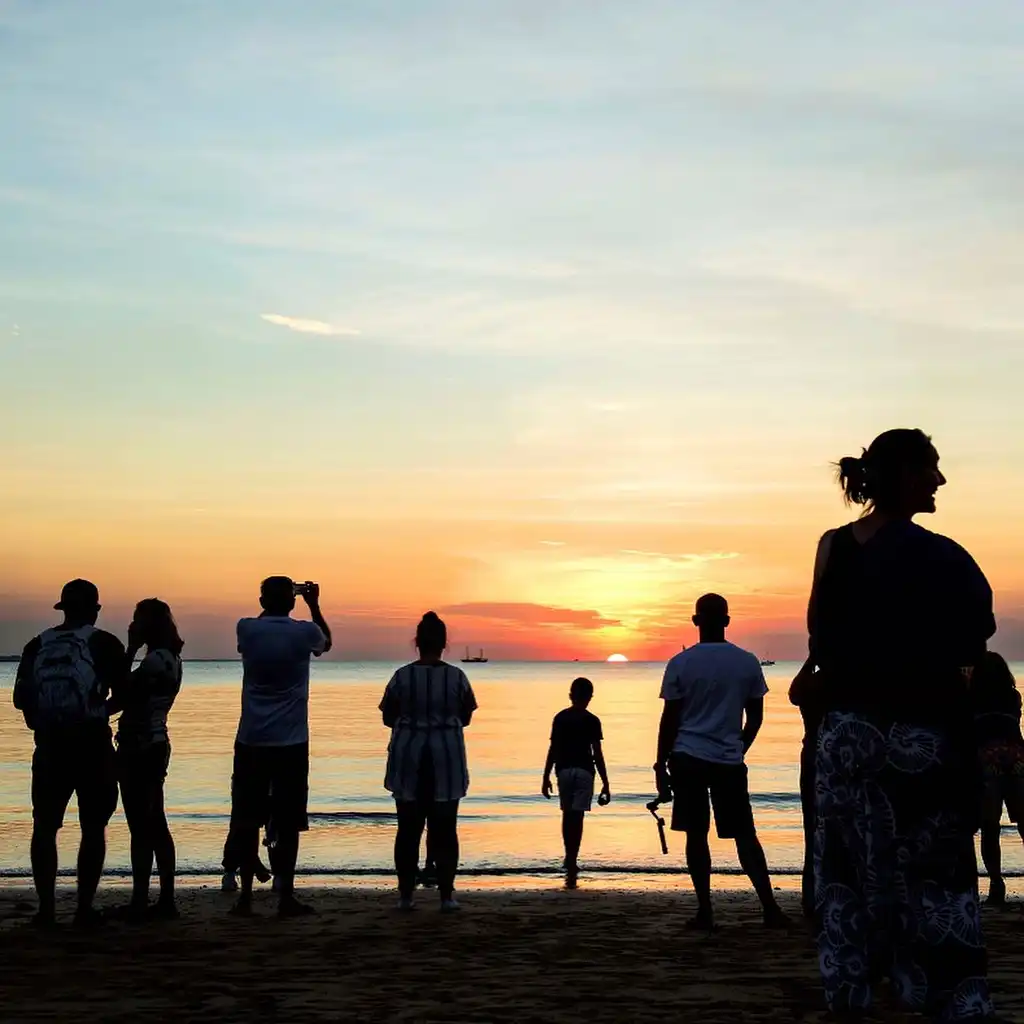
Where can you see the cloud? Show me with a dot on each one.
(304, 326)
(690, 558)
(528, 614)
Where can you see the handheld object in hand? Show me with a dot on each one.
(301, 589)
(653, 808)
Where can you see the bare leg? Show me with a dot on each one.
(992, 857)
(44, 871)
(163, 849)
(752, 860)
(698, 863)
(91, 854)
(572, 836)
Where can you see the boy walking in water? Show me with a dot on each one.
(574, 753)
(714, 707)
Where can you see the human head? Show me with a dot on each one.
(156, 626)
(581, 691)
(431, 636)
(277, 595)
(711, 614)
(80, 603)
(897, 474)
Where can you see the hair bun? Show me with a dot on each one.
(849, 465)
(430, 617)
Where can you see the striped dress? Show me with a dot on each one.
(428, 702)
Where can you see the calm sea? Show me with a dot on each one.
(507, 828)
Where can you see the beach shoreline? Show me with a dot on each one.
(511, 955)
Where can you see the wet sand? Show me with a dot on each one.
(509, 956)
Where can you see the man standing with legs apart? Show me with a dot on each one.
(714, 707)
(63, 680)
(271, 771)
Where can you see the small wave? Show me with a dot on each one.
(469, 871)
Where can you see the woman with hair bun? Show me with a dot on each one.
(427, 704)
(898, 618)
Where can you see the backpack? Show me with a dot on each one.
(64, 679)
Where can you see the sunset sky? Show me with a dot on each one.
(548, 315)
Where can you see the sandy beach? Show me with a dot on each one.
(510, 956)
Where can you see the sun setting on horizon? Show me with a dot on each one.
(617, 658)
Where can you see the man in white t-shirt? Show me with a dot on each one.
(714, 707)
(271, 770)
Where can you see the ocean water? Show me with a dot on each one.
(506, 827)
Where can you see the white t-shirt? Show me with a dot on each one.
(275, 653)
(714, 682)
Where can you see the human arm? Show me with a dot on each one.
(113, 668)
(549, 764)
(388, 706)
(467, 700)
(311, 595)
(821, 557)
(602, 770)
(668, 729)
(24, 692)
(127, 681)
(804, 684)
(753, 708)
(753, 719)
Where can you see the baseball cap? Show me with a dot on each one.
(78, 594)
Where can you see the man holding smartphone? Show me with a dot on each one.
(271, 768)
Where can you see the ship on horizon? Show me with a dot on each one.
(476, 660)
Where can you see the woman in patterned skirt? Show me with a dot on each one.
(898, 618)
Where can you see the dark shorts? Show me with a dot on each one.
(80, 763)
(270, 782)
(694, 781)
(141, 772)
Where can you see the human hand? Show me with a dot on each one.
(605, 796)
(663, 782)
(311, 594)
(545, 788)
(135, 639)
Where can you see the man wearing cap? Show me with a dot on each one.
(64, 678)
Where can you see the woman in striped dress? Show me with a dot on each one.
(427, 704)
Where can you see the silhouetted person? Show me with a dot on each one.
(271, 770)
(63, 680)
(426, 705)
(802, 693)
(896, 616)
(144, 750)
(997, 707)
(574, 752)
(714, 706)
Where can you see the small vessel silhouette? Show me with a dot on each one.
(479, 660)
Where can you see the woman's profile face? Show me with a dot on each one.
(921, 484)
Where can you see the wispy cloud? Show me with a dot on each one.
(529, 614)
(306, 326)
(693, 558)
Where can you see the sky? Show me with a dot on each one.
(549, 316)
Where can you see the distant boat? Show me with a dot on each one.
(478, 660)
(766, 662)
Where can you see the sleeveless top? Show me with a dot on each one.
(896, 621)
